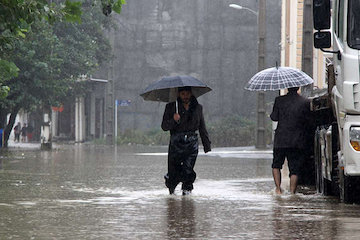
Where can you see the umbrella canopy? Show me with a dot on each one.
(277, 78)
(165, 90)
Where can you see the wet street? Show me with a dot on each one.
(101, 192)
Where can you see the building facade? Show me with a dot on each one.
(202, 38)
(292, 49)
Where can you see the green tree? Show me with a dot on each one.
(50, 59)
(8, 70)
(17, 17)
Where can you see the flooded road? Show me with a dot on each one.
(100, 192)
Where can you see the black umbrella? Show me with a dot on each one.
(165, 90)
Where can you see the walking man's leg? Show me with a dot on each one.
(295, 161)
(188, 173)
(172, 178)
(293, 183)
(277, 179)
(278, 161)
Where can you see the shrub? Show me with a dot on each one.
(149, 137)
(232, 131)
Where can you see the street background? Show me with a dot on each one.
(112, 192)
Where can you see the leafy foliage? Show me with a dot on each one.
(42, 68)
(18, 16)
(8, 70)
(72, 11)
(109, 5)
(150, 137)
(39, 79)
(232, 131)
(51, 58)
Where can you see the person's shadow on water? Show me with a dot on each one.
(181, 218)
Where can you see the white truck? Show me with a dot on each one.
(337, 112)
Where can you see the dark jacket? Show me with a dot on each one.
(190, 121)
(292, 112)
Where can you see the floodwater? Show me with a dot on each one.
(102, 192)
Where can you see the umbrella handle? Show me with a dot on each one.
(176, 106)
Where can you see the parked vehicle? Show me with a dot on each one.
(337, 138)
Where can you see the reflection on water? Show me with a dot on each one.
(293, 216)
(181, 218)
(95, 192)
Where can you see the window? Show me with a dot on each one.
(336, 15)
(341, 20)
(353, 24)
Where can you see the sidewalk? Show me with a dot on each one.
(224, 152)
(240, 152)
(25, 145)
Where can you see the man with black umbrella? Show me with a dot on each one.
(183, 118)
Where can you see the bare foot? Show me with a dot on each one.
(278, 191)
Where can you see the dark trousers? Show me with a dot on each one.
(183, 151)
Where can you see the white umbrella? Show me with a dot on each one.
(277, 78)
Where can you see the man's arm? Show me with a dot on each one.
(204, 135)
(168, 122)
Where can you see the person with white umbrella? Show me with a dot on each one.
(292, 112)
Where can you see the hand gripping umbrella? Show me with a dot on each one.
(277, 78)
(165, 90)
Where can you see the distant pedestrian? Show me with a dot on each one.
(17, 131)
(23, 133)
(29, 133)
(183, 147)
(292, 112)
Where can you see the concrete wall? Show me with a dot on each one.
(203, 38)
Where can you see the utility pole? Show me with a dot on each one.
(261, 107)
(109, 127)
(307, 44)
(110, 101)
